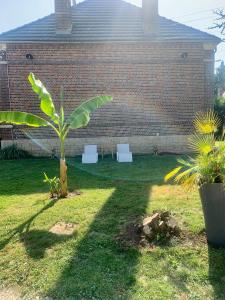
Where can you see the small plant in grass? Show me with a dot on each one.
(61, 125)
(155, 150)
(54, 186)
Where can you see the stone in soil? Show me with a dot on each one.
(160, 224)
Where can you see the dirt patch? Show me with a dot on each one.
(193, 239)
(158, 230)
(70, 195)
(62, 228)
(73, 194)
(10, 294)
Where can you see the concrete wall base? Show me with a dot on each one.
(75, 146)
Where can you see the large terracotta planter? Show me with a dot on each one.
(213, 204)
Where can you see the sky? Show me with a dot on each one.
(194, 13)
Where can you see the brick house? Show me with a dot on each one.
(159, 72)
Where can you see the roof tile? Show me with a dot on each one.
(102, 21)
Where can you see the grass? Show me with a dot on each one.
(144, 168)
(91, 264)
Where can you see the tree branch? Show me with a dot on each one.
(219, 21)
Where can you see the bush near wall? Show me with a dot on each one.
(13, 153)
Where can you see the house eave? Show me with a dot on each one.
(215, 43)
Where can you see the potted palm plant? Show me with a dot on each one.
(206, 170)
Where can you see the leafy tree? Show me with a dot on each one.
(80, 117)
(219, 108)
(219, 104)
(219, 101)
(220, 80)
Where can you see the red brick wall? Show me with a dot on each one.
(155, 90)
(4, 92)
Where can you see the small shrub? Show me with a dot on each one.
(54, 186)
(219, 108)
(13, 153)
(155, 150)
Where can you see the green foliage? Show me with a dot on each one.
(46, 105)
(80, 117)
(54, 186)
(219, 108)
(220, 79)
(219, 101)
(209, 164)
(22, 118)
(13, 152)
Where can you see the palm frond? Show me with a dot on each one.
(190, 181)
(202, 144)
(184, 162)
(207, 122)
(172, 174)
(183, 177)
(208, 166)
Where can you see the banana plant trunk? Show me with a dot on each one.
(63, 171)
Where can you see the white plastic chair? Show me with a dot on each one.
(90, 155)
(123, 153)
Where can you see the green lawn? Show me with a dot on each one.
(91, 264)
(143, 169)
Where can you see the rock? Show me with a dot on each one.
(144, 242)
(173, 227)
(172, 222)
(162, 224)
(162, 227)
(151, 221)
(148, 232)
(165, 215)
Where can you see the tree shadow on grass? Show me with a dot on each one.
(100, 267)
(37, 242)
(24, 227)
(217, 271)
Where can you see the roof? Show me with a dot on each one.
(102, 21)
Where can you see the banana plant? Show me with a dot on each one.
(80, 117)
